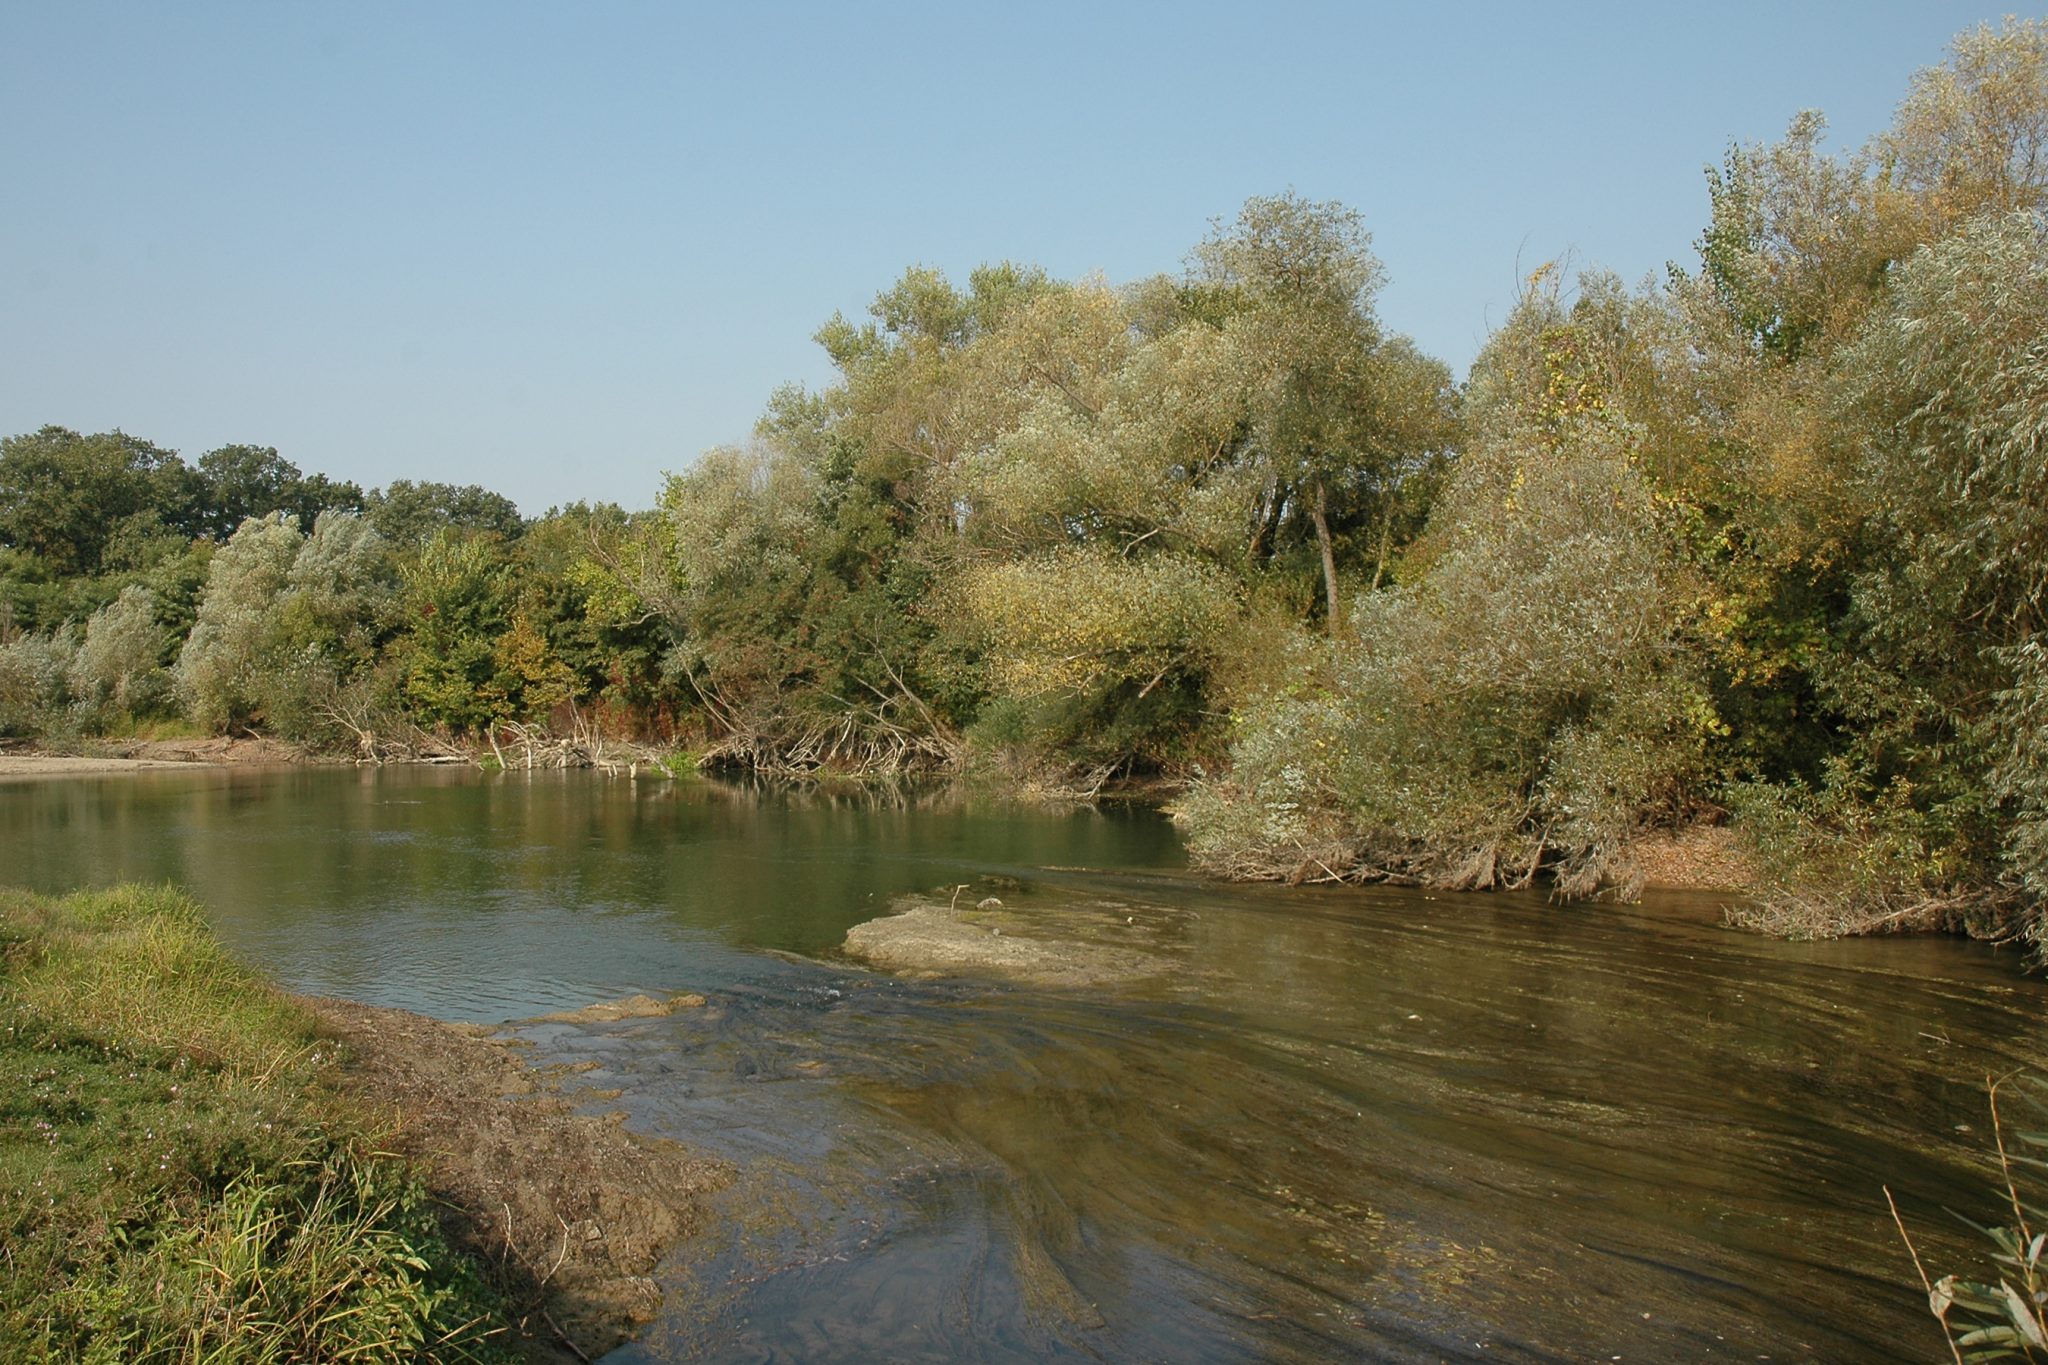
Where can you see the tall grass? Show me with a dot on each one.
(177, 1184)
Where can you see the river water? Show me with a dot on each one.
(1338, 1124)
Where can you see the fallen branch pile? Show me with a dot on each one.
(853, 745)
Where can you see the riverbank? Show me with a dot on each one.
(1699, 857)
(142, 755)
(529, 749)
(191, 1158)
(571, 1212)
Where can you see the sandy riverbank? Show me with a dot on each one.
(145, 755)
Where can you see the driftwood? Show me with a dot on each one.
(401, 742)
(537, 747)
(514, 744)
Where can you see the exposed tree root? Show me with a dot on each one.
(854, 745)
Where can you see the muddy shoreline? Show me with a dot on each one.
(571, 1212)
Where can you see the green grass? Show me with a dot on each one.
(680, 764)
(123, 726)
(177, 1182)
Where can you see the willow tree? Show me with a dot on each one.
(1971, 137)
(285, 622)
(740, 532)
(1341, 413)
(1102, 541)
(1529, 697)
(119, 669)
(221, 673)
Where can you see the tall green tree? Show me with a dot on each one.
(457, 600)
(66, 497)
(409, 512)
(243, 481)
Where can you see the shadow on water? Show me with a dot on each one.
(1318, 1124)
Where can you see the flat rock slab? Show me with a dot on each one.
(934, 940)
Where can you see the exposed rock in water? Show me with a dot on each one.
(936, 940)
(632, 1007)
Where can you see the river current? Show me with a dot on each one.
(1325, 1124)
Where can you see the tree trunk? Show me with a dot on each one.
(1379, 570)
(1321, 513)
(1269, 522)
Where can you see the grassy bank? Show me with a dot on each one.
(178, 1181)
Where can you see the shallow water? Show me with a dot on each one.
(1331, 1124)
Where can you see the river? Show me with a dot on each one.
(1367, 1124)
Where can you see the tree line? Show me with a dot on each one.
(1766, 538)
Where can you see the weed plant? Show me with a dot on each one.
(2004, 1315)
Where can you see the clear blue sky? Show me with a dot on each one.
(557, 249)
